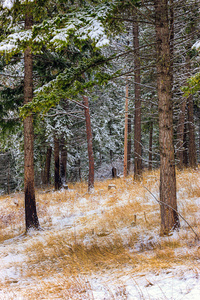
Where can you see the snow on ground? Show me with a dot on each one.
(178, 282)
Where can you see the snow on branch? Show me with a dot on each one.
(196, 45)
(79, 25)
(12, 42)
(9, 3)
(82, 25)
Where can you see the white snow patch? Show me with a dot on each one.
(12, 41)
(170, 284)
(10, 258)
(196, 45)
(8, 4)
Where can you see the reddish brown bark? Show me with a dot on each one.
(169, 216)
(89, 143)
(192, 146)
(126, 132)
(46, 179)
(137, 117)
(150, 145)
(180, 135)
(185, 149)
(186, 145)
(129, 145)
(63, 161)
(31, 218)
(57, 181)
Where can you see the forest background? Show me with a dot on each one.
(72, 64)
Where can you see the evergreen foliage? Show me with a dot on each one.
(94, 38)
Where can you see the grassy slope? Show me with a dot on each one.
(93, 244)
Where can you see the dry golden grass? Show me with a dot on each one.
(188, 183)
(121, 232)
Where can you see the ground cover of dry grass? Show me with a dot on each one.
(92, 244)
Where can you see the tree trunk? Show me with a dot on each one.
(191, 128)
(57, 181)
(185, 148)
(29, 187)
(47, 166)
(169, 217)
(126, 132)
(63, 162)
(137, 117)
(110, 131)
(79, 169)
(192, 155)
(199, 136)
(129, 145)
(8, 177)
(89, 143)
(180, 135)
(150, 145)
(171, 41)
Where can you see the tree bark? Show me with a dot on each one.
(137, 116)
(31, 218)
(126, 132)
(192, 146)
(185, 148)
(169, 217)
(57, 181)
(199, 137)
(47, 166)
(180, 135)
(150, 145)
(110, 132)
(78, 166)
(129, 145)
(63, 161)
(171, 41)
(89, 143)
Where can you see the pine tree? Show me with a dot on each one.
(169, 216)
(29, 186)
(137, 116)
(89, 143)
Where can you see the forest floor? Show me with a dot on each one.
(102, 245)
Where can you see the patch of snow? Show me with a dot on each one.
(13, 258)
(196, 45)
(12, 41)
(8, 4)
(169, 284)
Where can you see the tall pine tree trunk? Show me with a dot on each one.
(126, 132)
(199, 137)
(137, 117)
(180, 135)
(185, 148)
(150, 144)
(29, 186)
(191, 129)
(169, 217)
(129, 145)
(110, 132)
(63, 161)
(47, 166)
(57, 181)
(192, 155)
(89, 143)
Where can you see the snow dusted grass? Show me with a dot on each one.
(102, 245)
